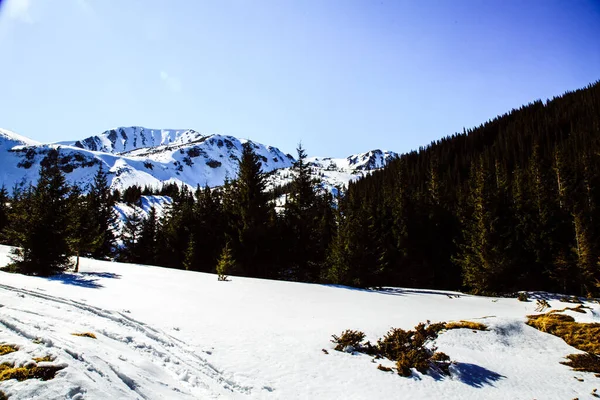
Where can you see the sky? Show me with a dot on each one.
(340, 76)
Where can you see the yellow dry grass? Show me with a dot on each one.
(580, 309)
(8, 371)
(582, 336)
(583, 362)
(85, 334)
(43, 359)
(476, 326)
(7, 348)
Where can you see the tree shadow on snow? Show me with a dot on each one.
(84, 279)
(109, 275)
(398, 291)
(474, 375)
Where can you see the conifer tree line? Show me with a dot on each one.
(237, 229)
(509, 205)
(51, 223)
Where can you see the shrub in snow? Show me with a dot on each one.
(347, 339)
(522, 296)
(409, 349)
(226, 263)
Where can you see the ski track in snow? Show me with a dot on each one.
(152, 345)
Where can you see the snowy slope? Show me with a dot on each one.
(124, 139)
(171, 334)
(338, 172)
(141, 156)
(136, 156)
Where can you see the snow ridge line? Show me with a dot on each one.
(191, 362)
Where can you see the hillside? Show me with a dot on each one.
(162, 333)
(141, 156)
(508, 205)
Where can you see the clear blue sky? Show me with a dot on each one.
(341, 76)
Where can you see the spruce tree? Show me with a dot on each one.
(130, 237)
(147, 245)
(251, 216)
(102, 216)
(302, 218)
(42, 233)
(3, 214)
(226, 263)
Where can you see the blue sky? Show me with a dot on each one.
(341, 76)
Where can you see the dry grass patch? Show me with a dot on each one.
(8, 371)
(43, 359)
(583, 362)
(582, 336)
(85, 334)
(7, 348)
(580, 309)
(476, 326)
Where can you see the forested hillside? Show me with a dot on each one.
(509, 205)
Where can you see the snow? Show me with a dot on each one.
(173, 334)
(152, 157)
(338, 172)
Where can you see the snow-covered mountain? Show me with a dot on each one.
(136, 156)
(141, 156)
(338, 172)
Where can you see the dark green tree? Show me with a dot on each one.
(100, 203)
(41, 231)
(251, 216)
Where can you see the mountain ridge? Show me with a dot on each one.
(141, 156)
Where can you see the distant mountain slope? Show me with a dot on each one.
(338, 172)
(141, 156)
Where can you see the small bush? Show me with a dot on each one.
(8, 371)
(3, 395)
(408, 348)
(583, 362)
(225, 264)
(476, 326)
(442, 362)
(522, 296)
(348, 338)
(7, 348)
(85, 334)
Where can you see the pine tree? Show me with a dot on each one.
(226, 263)
(251, 216)
(102, 216)
(42, 233)
(131, 236)
(3, 214)
(302, 218)
(147, 245)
